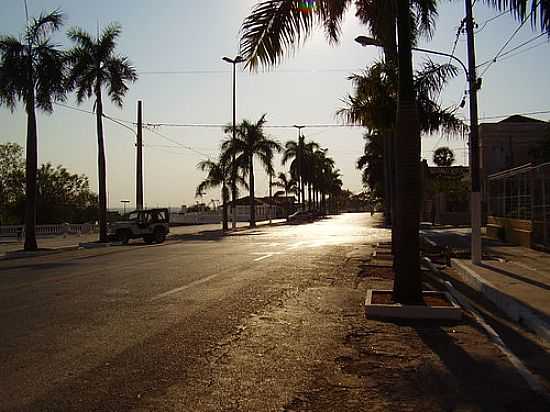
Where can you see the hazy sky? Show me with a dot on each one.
(191, 36)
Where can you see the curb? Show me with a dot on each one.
(19, 254)
(516, 310)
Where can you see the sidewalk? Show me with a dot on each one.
(516, 279)
(71, 242)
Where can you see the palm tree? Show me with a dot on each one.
(219, 174)
(95, 67)
(443, 156)
(299, 151)
(288, 184)
(276, 27)
(32, 72)
(251, 141)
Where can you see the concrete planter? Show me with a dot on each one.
(399, 311)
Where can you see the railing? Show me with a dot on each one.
(59, 229)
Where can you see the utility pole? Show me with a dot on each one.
(139, 158)
(474, 139)
(270, 195)
(234, 62)
(299, 158)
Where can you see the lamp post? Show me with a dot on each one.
(234, 62)
(299, 156)
(475, 209)
(124, 206)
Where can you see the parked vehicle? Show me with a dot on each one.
(151, 224)
(301, 217)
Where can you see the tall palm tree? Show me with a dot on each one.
(218, 174)
(276, 27)
(95, 66)
(251, 142)
(299, 152)
(288, 184)
(32, 72)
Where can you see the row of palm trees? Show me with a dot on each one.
(35, 72)
(276, 28)
(311, 170)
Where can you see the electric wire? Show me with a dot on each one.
(509, 39)
(513, 49)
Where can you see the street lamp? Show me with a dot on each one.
(124, 206)
(234, 62)
(475, 209)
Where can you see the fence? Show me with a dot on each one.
(523, 193)
(44, 230)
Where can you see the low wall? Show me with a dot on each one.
(60, 229)
(518, 231)
(198, 218)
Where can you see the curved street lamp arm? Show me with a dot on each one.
(446, 55)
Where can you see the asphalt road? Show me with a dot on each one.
(120, 328)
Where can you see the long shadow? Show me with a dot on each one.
(493, 386)
(534, 355)
(516, 276)
(149, 367)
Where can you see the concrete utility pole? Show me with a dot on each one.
(139, 158)
(474, 139)
(270, 195)
(234, 62)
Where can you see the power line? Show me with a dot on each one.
(191, 72)
(519, 46)
(486, 22)
(512, 114)
(509, 39)
(176, 142)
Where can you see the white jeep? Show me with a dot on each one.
(151, 224)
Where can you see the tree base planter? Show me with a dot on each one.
(438, 305)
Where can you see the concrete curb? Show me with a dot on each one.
(20, 254)
(516, 310)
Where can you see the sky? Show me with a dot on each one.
(191, 37)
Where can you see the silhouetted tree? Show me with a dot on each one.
(250, 142)
(218, 174)
(95, 67)
(32, 72)
(443, 156)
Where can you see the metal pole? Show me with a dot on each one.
(234, 166)
(270, 195)
(139, 158)
(474, 140)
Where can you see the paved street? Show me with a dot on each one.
(136, 326)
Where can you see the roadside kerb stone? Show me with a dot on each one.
(516, 310)
(20, 254)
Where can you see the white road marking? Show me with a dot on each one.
(189, 285)
(296, 245)
(265, 255)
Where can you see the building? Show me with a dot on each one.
(508, 144)
(446, 191)
(515, 184)
(276, 207)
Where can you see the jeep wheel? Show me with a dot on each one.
(148, 239)
(159, 235)
(123, 236)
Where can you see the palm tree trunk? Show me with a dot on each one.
(252, 200)
(101, 169)
(287, 203)
(31, 175)
(225, 225)
(407, 285)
